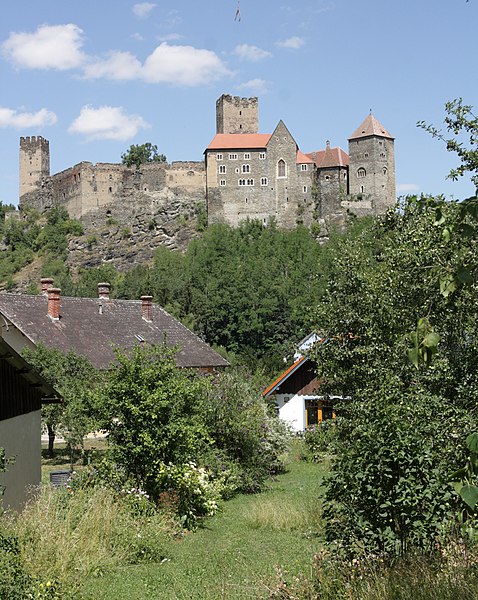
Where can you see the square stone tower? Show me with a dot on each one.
(372, 165)
(34, 162)
(237, 115)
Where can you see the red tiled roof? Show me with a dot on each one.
(370, 126)
(330, 157)
(303, 158)
(94, 333)
(237, 141)
(284, 376)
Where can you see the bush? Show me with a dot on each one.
(319, 440)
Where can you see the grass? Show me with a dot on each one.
(238, 553)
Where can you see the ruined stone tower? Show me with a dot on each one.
(372, 165)
(237, 115)
(34, 162)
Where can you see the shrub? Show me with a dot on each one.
(319, 440)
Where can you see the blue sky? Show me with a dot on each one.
(94, 77)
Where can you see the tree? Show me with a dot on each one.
(460, 121)
(137, 155)
(401, 429)
(75, 378)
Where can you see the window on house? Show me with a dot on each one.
(361, 189)
(246, 168)
(263, 180)
(241, 182)
(384, 170)
(247, 156)
(361, 172)
(222, 183)
(250, 182)
(281, 168)
(345, 175)
(304, 189)
(303, 167)
(262, 155)
(219, 156)
(232, 156)
(222, 168)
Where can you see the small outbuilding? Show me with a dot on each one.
(22, 392)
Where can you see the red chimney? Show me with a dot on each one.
(147, 308)
(104, 291)
(45, 282)
(54, 295)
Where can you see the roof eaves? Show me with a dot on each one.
(292, 369)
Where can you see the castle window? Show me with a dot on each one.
(382, 154)
(345, 175)
(304, 189)
(219, 156)
(250, 182)
(327, 177)
(241, 182)
(246, 168)
(262, 155)
(110, 177)
(240, 126)
(232, 156)
(110, 190)
(222, 168)
(240, 113)
(361, 172)
(281, 169)
(222, 183)
(145, 189)
(246, 200)
(384, 170)
(247, 156)
(263, 180)
(365, 155)
(237, 170)
(361, 189)
(303, 167)
(380, 143)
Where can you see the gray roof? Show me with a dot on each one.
(94, 333)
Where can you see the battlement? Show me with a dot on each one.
(29, 141)
(237, 115)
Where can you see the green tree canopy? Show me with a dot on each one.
(139, 154)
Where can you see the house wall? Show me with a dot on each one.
(20, 436)
(292, 410)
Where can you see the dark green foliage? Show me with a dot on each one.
(401, 433)
(15, 582)
(319, 440)
(75, 379)
(153, 413)
(139, 154)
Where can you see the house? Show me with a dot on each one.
(296, 391)
(94, 327)
(22, 392)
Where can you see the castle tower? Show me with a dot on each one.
(237, 115)
(372, 165)
(34, 162)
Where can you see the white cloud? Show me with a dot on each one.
(49, 47)
(142, 9)
(22, 120)
(182, 65)
(252, 53)
(107, 123)
(294, 43)
(408, 187)
(257, 86)
(119, 66)
(137, 36)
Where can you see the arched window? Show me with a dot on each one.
(384, 170)
(246, 168)
(281, 168)
(361, 172)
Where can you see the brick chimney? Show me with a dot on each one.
(104, 291)
(147, 308)
(54, 295)
(45, 282)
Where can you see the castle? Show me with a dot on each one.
(245, 174)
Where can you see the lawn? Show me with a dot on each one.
(238, 552)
